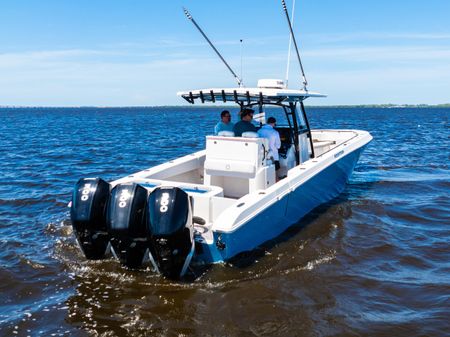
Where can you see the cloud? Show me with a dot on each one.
(81, 77)
(138, 74)
(376, 36)
(368, 54)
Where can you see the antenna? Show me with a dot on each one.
(305, 82)
(289, 48)
(189, 16)
(241, 57)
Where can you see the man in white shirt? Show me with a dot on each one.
(268, 131)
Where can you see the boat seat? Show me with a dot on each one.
(239, 165)
(225, 133)
(323, 142)
(236, 156)
(322, 146)
(250, 134)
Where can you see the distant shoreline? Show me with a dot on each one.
(398, 106)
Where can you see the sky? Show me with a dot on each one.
(142, 52)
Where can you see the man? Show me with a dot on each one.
(245, 124)
(225, 123)
(268, 131)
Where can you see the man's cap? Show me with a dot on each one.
(271, 120)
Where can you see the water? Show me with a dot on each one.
(373, 262)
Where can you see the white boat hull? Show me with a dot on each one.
(277, 217)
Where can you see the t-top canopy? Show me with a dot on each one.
(248, 95)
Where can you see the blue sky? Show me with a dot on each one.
(141, 52)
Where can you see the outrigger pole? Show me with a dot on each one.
(289, 48)
(305, 82)
(189, 16)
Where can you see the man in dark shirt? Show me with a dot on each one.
(245, 124)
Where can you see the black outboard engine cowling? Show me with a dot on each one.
(88, 215)
(172, 232)
(126, 221)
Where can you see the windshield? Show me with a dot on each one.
(279, 113)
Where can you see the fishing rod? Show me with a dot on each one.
(305, 82)
(189, 16)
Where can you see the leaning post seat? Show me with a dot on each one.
(225, 133)
(250, 134)
(238, 164)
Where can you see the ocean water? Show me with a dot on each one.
(373, 262)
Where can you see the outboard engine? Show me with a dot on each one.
(87, 212)
(126, 222)
(172, 232)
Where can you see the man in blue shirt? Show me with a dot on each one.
(245, 124)
(225, 123)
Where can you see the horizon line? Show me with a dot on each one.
(212, 106)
